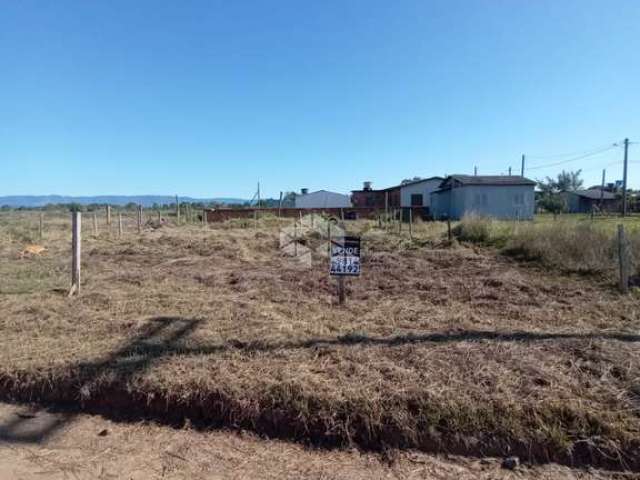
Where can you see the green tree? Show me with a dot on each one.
(564, 182)
(552, 203)
(569, 181)
(547, 187)
(289, 199)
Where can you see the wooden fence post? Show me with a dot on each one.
(411, 223)
(76, 241)
(109, 215)
(449, 228)
(624, 260)
(119, 225)
(341, 295)
(204, 217)
(40, 225)
(386, 206)
(139, 218)
(177, 210)
(95, 224)
(295, 238)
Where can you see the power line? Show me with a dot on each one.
(617, 162)
(571, 154)
(579, 157)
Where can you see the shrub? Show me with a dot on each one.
(552, 204)
(474, 228)
(568, 246)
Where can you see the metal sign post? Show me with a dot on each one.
(345, 261)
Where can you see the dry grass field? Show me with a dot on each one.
(447, 348)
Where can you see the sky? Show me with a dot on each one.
(208, 98)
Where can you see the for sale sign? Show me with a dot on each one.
(345, 256)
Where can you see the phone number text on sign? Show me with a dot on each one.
(345, 256)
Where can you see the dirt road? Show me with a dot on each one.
(83, 447)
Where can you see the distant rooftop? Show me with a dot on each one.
(412, 182)
(594, 194)
(490, 180)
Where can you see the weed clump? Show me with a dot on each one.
(474, 228)
(568, 246)
(571, 247)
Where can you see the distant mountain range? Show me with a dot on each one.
(16, 201)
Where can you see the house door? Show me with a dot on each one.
(416, 200)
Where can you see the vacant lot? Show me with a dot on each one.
(439, 348)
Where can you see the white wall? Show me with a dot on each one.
(323, 199)
(425, 188)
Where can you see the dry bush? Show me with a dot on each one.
(634, 248)
(569, 246)
(474, 228)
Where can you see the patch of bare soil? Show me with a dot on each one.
(439, 349)
(87, 447)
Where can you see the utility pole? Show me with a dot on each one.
(604, 172)
(509, 171)
(522, 167)
(258, 194)
(624, 178)
(475, 171)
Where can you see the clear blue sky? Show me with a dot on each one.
(206, 98)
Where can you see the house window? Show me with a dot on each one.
(480, 200)
(416, 200)
(518, 199)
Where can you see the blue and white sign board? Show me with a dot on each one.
(345, 256)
